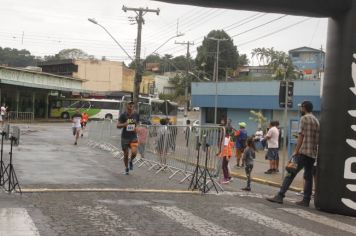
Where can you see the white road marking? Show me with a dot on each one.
(269, 222)
(111, 223)
(16, 221)
(251, 195)
(321, 219)
(190, 221)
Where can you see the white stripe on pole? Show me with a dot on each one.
(321, 219)
(269, 222)
(190, 221)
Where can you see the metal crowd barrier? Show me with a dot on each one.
(22, 117)
(104, 135)
(167, 148)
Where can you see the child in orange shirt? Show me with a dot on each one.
(226, 154)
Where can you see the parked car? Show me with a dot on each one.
(196, 123)
(180, 108)
(195, 108)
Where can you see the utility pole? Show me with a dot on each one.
(217, 76)
(285, 122)
(186, 76)
(140, 12)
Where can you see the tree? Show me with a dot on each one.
(243, 60)
(16, 58)
(259, 118)
(166, 62)
(180, 62)
(206, 56)
(152, 59)
(73, 53)
(276, 60)
(179, 83)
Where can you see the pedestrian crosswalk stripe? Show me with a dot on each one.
(112, 221)
(16, 221)
(321, 219)
(190, 221)
(269, 222)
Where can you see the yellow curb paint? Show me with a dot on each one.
(49, 190)
(264, 181)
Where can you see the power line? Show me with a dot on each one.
(316, 28)
(187, 22)
(169, 25)
(274, 32)
(259, 26)
(239, 23)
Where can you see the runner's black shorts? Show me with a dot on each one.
(128, 144)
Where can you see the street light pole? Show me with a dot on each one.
(175, 36)
(97, 23)
(217, 76)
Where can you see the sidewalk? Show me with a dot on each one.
(258, 175)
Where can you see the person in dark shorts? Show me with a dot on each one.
(128, 121)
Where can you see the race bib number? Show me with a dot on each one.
(130, 127)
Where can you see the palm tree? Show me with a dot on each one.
(278, 61)
(259, 118)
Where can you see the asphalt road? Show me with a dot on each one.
(78, 190)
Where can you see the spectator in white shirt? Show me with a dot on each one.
(272, 143)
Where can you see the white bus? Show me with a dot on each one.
(154, 109)
(95, 108)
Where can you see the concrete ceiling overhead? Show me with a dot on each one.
(315, 8)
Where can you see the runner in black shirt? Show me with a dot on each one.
(128, 121)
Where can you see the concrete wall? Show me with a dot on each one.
(253, 95)
(100, 75)
(109, 76)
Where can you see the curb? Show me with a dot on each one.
(264, 181)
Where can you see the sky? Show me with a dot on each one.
(45, 27)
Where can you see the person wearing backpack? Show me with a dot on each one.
(240, 137)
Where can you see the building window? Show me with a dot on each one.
(210, 115)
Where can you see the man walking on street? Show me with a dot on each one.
(128, 121)
(305, 154)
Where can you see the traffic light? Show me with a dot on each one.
(282, 94)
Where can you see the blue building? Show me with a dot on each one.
(235, 100)
(308, 61)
